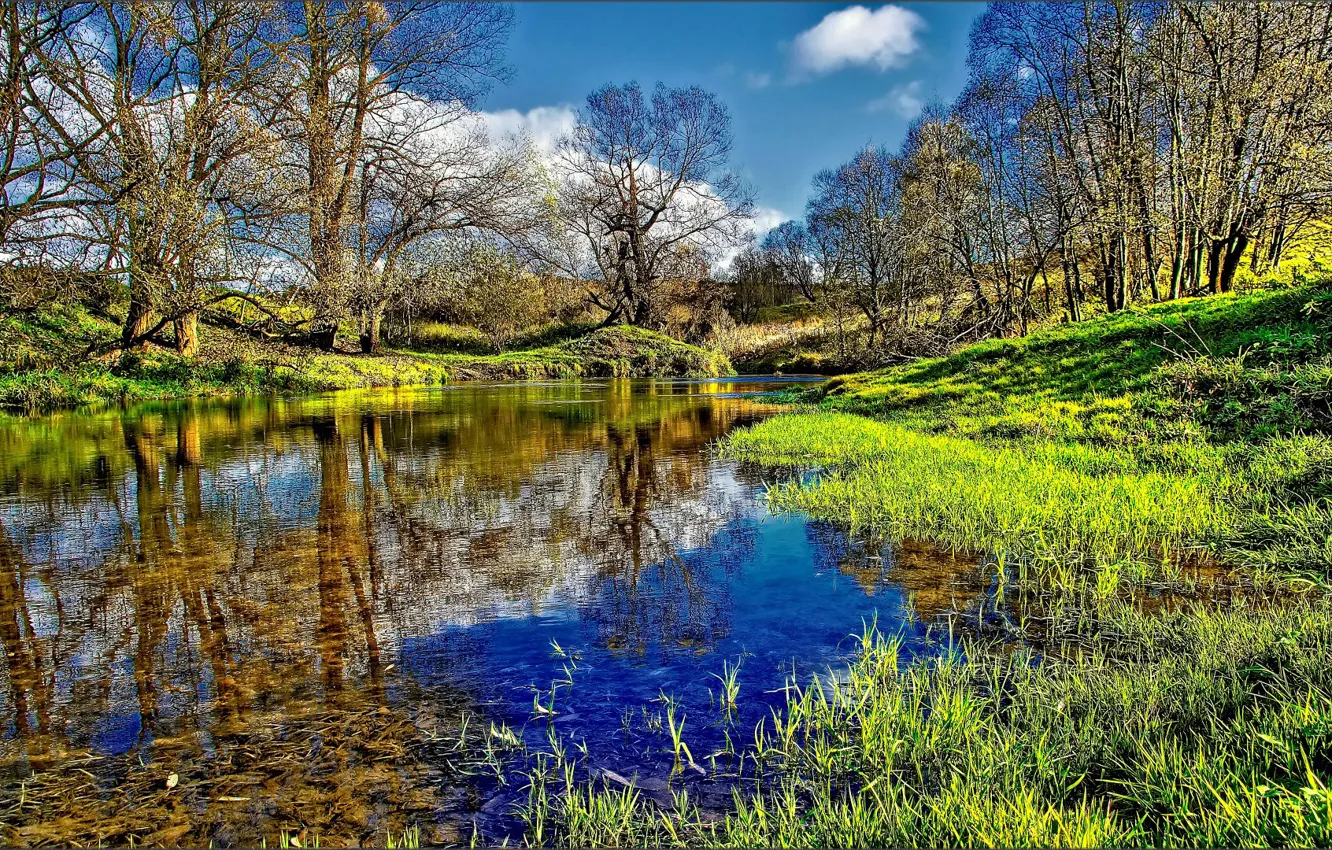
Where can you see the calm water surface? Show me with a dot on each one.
(298, 606)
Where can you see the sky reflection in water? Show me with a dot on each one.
(293, 603)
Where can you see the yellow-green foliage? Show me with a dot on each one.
(971, 495)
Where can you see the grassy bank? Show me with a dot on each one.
(1199, 424)
(1182, 448)
(1195, 728)
(43, 363)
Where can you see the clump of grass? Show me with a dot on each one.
(970, 495)
(728, 697)
(1200, 727)
(408, 839)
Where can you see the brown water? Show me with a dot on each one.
(226, 619)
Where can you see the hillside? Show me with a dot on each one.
(1237, 365)
(43, 363)
(1198, 424)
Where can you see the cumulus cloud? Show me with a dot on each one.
(903, 99)
(544, 125)
(882, 38)
(766, 218)
(763, 220)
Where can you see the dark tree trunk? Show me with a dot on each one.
(325, 335)
(1230, 262)
(1215, 253)
(371, 321)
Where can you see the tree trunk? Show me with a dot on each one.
(187, 334)
(1230, 262)
(137, 322)
(371, 319)
(1177, 266)
(1071, 286)
(642, 312)
(1277, 248)
(1214, 254)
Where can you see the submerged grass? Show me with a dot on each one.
(1200, 727)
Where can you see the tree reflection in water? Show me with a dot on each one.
(291, 603)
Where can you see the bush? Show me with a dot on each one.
(1234, 398)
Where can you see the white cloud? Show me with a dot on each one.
(883, 38)
(757, 80)
(763, 220)
(903, 99)
(544, 125)
(766, 218)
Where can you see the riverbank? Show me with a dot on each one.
(42, 366)
(1151, 494)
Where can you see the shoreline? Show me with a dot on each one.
(158, 375)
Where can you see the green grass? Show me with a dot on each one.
(1200, 423)
(1200, 727)
(1121, 376)
(1083, 463)
(43, 364)
(622, 351)
(970, 495)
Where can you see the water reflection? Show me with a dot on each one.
(291, 605)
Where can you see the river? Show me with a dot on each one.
(226, 618)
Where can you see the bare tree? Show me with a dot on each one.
(856, 208)
(423, 174)
(153, 102)
(790, 249)
(638, 179)
(348, 63)
(39, 105)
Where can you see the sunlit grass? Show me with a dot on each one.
(1081, 460)
(970, 495)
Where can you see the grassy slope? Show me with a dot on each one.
(1082, 457)
(40, 365)
(1193, 423)
(1071, 375)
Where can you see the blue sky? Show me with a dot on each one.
(807, 83)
